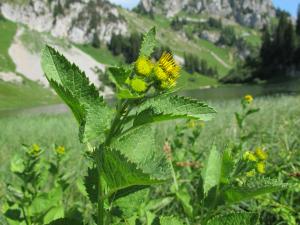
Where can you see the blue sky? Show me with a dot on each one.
(288, 5)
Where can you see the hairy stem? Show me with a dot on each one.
(115, 128)
(101, 210)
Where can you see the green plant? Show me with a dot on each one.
(31, 197)
(125, 153)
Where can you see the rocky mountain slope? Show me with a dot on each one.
(252, 13)
(80, 21)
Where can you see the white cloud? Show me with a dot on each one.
(126, 3)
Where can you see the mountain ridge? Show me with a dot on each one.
(251, 13)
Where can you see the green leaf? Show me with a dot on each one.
(253, 188)
(45, 201)
(212, 171)
(227, 166)
(118, 76)
(93, 115)
(149, 43)
(128, 175)
(65, 221)
(133, 203)
(135, 159)
(235, 219)
(168, 220)
(143, 146)
(184, 198)
(17, 164)
(166, 107)
(14, 214)
(91, 184)
(54, 214)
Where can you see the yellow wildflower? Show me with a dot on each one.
(60, 150)
(138, 85)
(261, 167)
(35, 150)
(261, 154)
(191, 124)
(143, 66)
(248, 99)
(167, 71)
(160, 73)
(168, 64)
(249, 156)
(168, 84)
(251, 173)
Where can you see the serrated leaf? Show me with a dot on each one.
(54, 214)
(121, 174)
(253, 188)
(166, 107)
(143, 146)
(149, 43)
(71, 84)
(131, 204)
(212, 171)
(167, 220)
(135, 159)
(227, 166)
(234, 219)
(118, 76)
(91, 184)
(45, 201)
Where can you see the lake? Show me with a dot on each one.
(225, 92)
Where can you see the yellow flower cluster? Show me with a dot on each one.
(249, 156)
(163, 74)
(143, 66)
(167, 71)
(60, 150)
(248, 99)
(259, 157)
(34, 150)
(261, 154)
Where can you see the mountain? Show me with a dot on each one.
(82, 30)
(80, 21)
(251, 13)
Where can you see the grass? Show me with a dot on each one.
(28, 94)
(102, 55)
(8, 30)
(193, 81)
(276, 126)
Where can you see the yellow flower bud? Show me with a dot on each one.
(261, 167)
(138, 85)
(160, 73)
(248, 99)
(251, 173)
(143, 66)
(249, 156)
(261, 154)
(60, 150)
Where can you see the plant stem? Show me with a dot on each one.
(115, 127)
(101, 211)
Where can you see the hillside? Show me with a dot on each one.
(74, 34)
